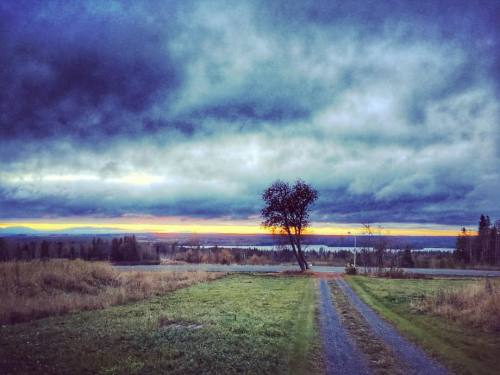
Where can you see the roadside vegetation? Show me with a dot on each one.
(416, 308)
(238, 324)
(476, 304)
(387, 273)
(36, 289)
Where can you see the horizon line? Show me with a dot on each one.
(226, 229)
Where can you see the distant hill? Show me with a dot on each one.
(10, 231)
(17, 230)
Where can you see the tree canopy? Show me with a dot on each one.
(286, 212)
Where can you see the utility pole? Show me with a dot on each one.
(355, 248)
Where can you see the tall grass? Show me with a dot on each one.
(31, 290)
(386, 273)
(476, 304)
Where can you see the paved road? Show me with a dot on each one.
(287, 267)
(341, 355)
(416, 360)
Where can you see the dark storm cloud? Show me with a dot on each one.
(71, 69)
(367, 209)
(191, 108)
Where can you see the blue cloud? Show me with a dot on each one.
(191, 108)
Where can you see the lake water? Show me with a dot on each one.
(311, 247)
(289, 267)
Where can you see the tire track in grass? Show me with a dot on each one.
(303, 358)
(341, 354)
(416, 360)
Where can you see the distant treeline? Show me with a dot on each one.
(482, 248)
(123, 249)
(128, 249)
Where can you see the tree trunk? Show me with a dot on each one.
(300, 260)
(301, 254)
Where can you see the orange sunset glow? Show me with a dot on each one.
(218, 228)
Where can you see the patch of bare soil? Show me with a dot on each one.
(175, 324)
(327, 275)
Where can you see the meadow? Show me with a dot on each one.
(73, 316)
(455, 320)
(37, 289)
(237, 324)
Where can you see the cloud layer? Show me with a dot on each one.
(192, 108)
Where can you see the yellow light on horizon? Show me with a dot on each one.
(222, 229)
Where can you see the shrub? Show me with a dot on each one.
(350, 269)
(393, 273)
(256, 260)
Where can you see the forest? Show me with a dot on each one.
(481, 248)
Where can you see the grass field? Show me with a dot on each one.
(464, 348)
(32, 290)
(238, 324)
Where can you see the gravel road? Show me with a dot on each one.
(341, 355)
(292, 267)
(417, 361)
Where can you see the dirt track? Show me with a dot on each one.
(341, 354)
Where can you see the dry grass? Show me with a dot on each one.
(476, 304)
(31, 290)
(389, 273)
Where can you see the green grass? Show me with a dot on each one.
(462, 348)
(250, 324)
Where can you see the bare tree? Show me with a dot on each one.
(378, 243)
(367, 249)
(380, 248)
(286, 212)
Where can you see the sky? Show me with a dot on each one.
(182, 112)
